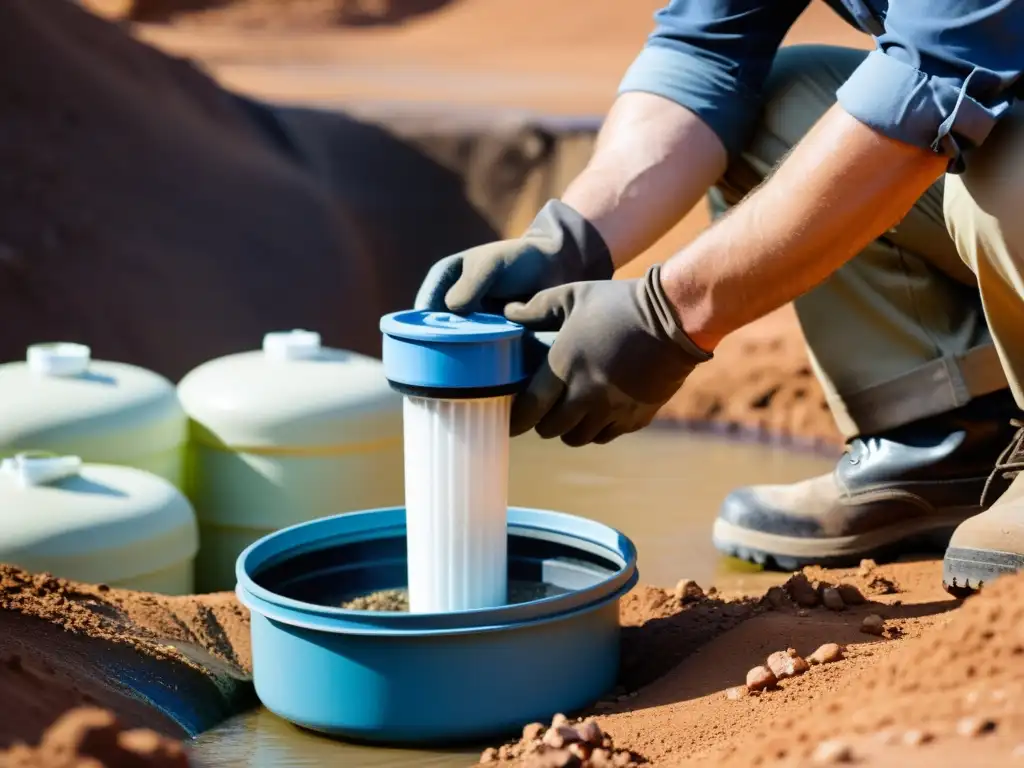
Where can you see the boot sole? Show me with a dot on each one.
(789, 553)
(965, 570)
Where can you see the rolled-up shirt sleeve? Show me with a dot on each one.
(712, 57)
(943, 73)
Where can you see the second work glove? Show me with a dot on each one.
(619, 356)
(559, 247)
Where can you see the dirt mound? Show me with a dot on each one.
(91, 738)
(64, 644)
(958, 689)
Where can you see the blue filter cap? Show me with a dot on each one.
(441, 354)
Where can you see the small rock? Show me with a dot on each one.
(737, 693)
(974, 726)
(505, 752)
(802, 591)
(489, 755)
(688, 591)
(556, 758)
(873, 625)
(760, 678)
(590, 732)
(803, 614)
(831, 752)
(533, 731)
(103, 587)
(851, 595)
(581, 750)
(777, 598)
(916, 737)
(601, 758)
(559, 719)
(783, 665)
(621, 759)
(712, 591)
(826, 654)
(867, 566)
(560, 735)
(832, 599)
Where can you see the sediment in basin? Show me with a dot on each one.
(431, 678)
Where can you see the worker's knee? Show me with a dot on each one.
(982, 205)
(799, 90)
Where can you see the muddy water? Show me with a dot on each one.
(659, 487)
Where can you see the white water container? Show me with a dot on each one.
(458, 375)
(283, 435)
(96, 523)
(62, 401)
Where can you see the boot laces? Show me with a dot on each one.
(1010, 462)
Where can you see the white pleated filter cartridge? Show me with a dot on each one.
(457, 375)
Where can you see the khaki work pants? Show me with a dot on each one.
(929, 315)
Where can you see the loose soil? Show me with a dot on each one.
(685, 659)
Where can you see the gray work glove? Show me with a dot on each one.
(620, 354)
(559, 247)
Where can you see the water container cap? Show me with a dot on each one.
(291, 345)
(441, 354)
(60, 359)
(32, 470)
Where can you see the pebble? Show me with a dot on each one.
(831, 752)
(803, 614)
(533, 731)
(802, 591)
(581, 750)
(737, 693)
(489, 755)
(559, 719)
(556, 758)
(826, 654)
(783, 665)
(760, 678)
(851, 595)
(867, 566)
(559, 735)
(974, 726)
(688, 591)
(916, 737)
(832, 599)
(872, 625)
(590, 732)
(601, 758)
(777, 598)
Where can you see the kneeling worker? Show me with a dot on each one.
(880, 191)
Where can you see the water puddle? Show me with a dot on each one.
(660, 487)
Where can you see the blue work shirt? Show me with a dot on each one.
(943, 72)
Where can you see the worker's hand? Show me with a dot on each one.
(559, 247)
(619, 356)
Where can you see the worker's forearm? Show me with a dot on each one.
(841, 187)
(653, 162)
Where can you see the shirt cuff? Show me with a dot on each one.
(692, 82)
(905, 104)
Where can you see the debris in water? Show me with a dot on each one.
(760, 678)
(873, 625)
(826, 654)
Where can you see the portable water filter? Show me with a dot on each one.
(457, 375)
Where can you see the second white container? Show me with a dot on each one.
(283, 435)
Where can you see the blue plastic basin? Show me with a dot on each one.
(431, 678)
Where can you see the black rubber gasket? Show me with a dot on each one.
(456, 393)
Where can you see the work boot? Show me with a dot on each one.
(890, 494)
(992, 543)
